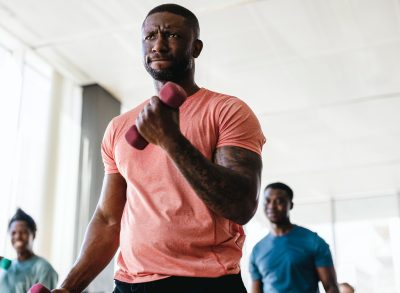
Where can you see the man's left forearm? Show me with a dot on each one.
(228, 187)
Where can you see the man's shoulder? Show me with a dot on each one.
(42, 264)
(264, 243)
(309, 236)
(220, 98)
(305, 231)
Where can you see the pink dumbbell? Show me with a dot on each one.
(38, 288)
(171, 95)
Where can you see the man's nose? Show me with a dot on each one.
(160, 44)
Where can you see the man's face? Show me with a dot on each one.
(21, 236)
(167, 43)
(277, 205)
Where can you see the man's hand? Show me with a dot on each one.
(158, 123)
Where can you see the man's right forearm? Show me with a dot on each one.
(99, 246)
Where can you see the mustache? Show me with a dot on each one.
(155, 57)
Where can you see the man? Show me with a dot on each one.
(176, 208)
(346, 288)
(290, 258)
(28, 268)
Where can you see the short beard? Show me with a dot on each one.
(176, 73)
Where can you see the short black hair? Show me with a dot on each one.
(281, 186)
(20, 215)
(178, 10)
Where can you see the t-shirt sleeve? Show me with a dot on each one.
(107, 150)
(323, 257)
(239, 126)
(46, 275)
(254, 272)
(49, 278)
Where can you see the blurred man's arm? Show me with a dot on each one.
(256, 286)
(101, 238)
(327, 275)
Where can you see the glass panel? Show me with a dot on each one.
(367, 243)
(32, 139)
(10, 92)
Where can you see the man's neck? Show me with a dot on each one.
(25, 255)
(279, 229)
(188, 85)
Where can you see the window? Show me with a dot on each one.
(40, 117)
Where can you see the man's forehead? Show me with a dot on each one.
(269, 192)
(164, 19)
(18, 224)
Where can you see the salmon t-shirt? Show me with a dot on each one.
(166, 229)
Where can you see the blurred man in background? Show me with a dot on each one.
(28, 268)
(290, 258)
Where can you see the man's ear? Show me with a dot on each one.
(291, 205)
(197, 47)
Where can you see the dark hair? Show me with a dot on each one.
(20, 215)
(281, 186)
(178, 10)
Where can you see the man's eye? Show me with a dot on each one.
(172, 35)
(149, 37)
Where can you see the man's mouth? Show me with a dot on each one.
(157, 58)
(160, 60)
(19, 243)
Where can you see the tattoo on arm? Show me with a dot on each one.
(229, 185)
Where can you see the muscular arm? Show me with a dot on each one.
(228, 185)
(102, 236)
(256, 286)
(327, 275)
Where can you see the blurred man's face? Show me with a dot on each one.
(277, 205)
(21, 236)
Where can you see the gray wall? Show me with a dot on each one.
(98, 108)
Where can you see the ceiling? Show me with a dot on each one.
(322, 76)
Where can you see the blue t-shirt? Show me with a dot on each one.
(287, 263)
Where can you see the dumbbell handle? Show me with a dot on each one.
(171, 95)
